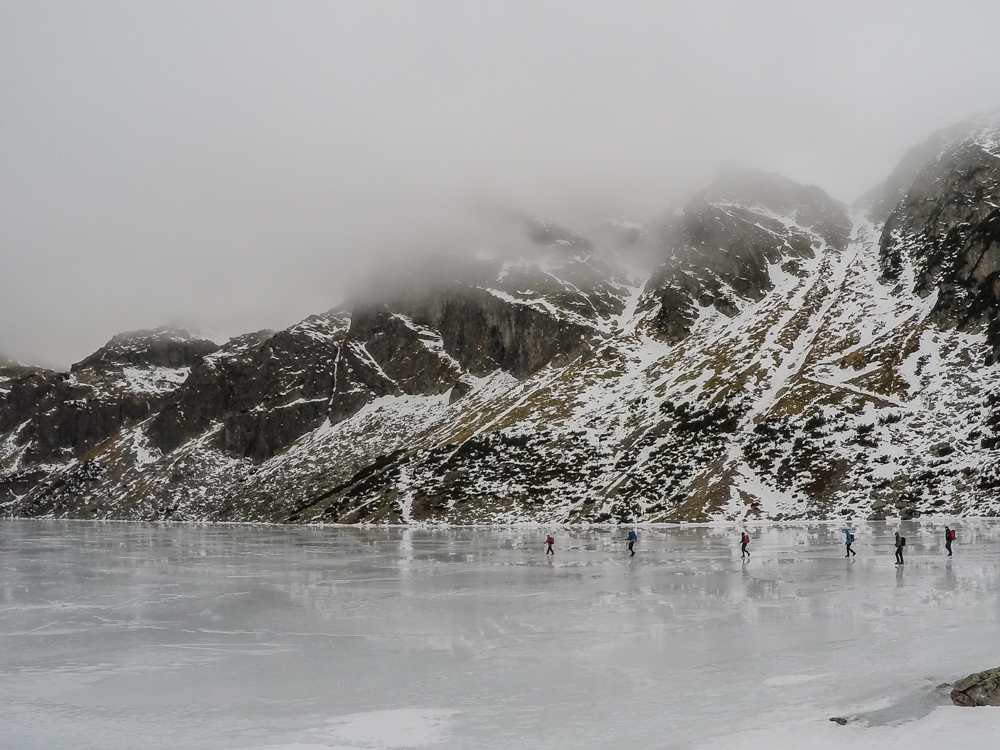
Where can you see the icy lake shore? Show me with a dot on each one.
(246, 637)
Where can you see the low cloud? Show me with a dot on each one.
(238, 166)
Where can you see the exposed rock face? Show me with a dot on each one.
(883, 199)
(411, 354)
(268, 389)
(980, 689)
(479, 331)
(163, 347)
(720, 251)
(947, 227)
(760, 353)
(807, 205)
(258, 394)
(52, 417)
(553, 235)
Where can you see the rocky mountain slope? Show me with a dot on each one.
(764, 352)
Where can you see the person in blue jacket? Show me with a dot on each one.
(632, 539)
(849, 540)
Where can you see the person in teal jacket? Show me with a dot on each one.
(849, 540)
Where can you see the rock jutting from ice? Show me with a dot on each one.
(979, 689)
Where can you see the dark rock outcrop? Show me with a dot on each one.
(460, 389)
(266, 390)
(719, 252)
(161, 347)
(979, 689)
(481, 331)
(552, 235)
(947, 226)
(809, 205)
(885, 197)
(413, 356)
(65, 415)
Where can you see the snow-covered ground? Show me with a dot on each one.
(222, 637)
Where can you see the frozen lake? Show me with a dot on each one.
(148, 636)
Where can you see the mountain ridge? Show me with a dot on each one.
(782, 356)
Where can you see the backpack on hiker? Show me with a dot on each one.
(902, 541)
(951, 535)
(746, 539)
(850, 538)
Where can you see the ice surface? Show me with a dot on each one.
(224, 637)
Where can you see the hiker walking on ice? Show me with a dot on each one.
(949, 537)
(744, 541)
(849, 540)
(632, 539)
(549, 541)
(900, 543)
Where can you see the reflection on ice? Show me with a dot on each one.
(790, 679)
(123, 636)
(405, 727)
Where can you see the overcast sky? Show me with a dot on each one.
(235, 165)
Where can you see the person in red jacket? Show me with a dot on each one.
(549, 541)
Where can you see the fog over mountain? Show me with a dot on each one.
(237, 166)
(762, 351)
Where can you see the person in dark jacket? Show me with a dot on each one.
(900, 543)
(949, 537)
(744, 541)
(632, 539)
